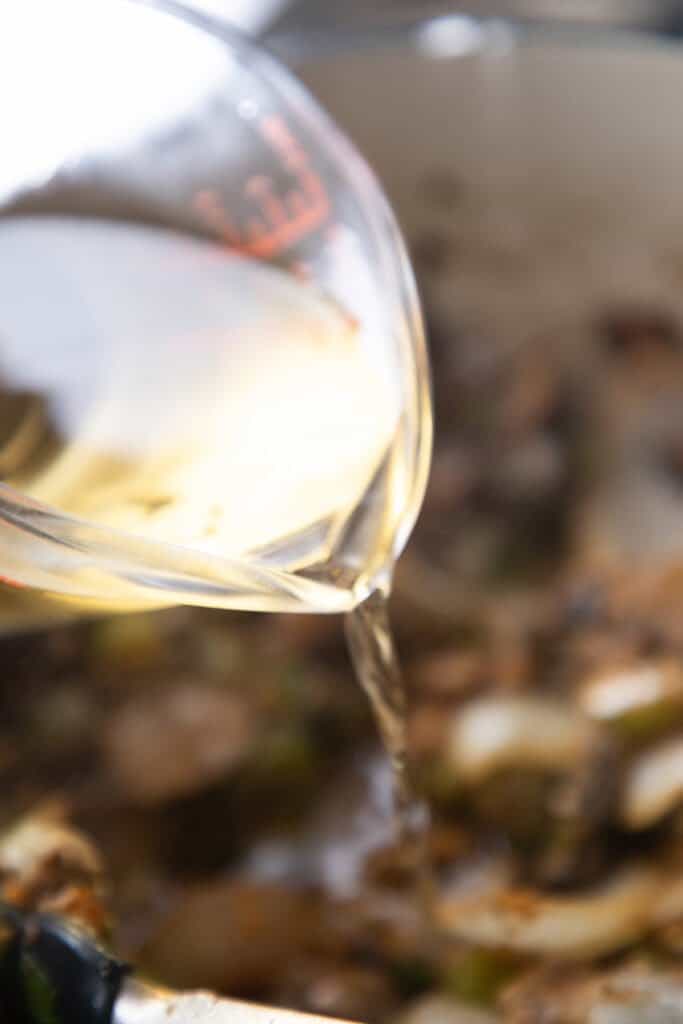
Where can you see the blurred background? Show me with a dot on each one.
(299, 15)
(226, 767)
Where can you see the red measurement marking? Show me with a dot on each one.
(295, 202)
(208, 204)
(261, 188)
(15, 584)
(302, 270)
(281, 222)
(255, 232)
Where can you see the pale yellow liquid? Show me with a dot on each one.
(217, 421)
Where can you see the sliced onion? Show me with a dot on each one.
(611, 695)
(500, 732)
(654, 784)
(569, 927)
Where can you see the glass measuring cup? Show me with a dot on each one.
(161, 173)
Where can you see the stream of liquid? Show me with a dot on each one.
(378, 671)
